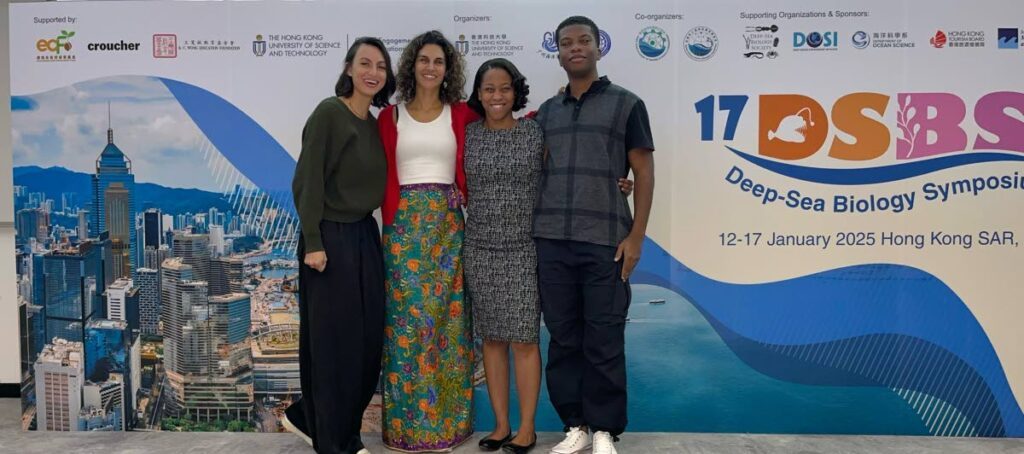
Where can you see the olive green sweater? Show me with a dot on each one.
(340, 175)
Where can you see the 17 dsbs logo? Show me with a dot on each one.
(815, 41)
(850, 141)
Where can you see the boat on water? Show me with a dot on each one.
(656, 301)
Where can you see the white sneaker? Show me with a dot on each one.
(603, 443)
(576, 440)
(295, 430)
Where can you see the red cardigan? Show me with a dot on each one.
(462, 115)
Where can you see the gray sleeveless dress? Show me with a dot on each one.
(503, 171)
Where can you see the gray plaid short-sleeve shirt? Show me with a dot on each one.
(588, 141)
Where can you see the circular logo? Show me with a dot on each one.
(814, 40)
(549, 44)
(700, 43)
(652, 43)
(861, 39)
(605, 43)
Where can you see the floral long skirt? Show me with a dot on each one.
(428, 356)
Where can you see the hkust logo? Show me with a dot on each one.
(865, 139)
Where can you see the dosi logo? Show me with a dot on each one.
(815, 40)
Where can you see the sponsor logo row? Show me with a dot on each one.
(652, 43)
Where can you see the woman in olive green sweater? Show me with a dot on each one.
(339, 182)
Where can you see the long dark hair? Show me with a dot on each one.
(454, 79)
(344, 87)
(519, 86)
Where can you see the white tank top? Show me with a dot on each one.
(426, 151)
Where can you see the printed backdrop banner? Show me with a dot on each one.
(834, 245)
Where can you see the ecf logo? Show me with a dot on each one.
(815, 40)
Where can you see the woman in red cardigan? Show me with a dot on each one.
(428, 353)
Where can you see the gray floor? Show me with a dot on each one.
(13, 440)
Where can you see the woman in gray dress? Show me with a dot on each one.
(503, 168)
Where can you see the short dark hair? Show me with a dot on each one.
(578, 20)
(454, 78)
(519, 85)
(344, 87)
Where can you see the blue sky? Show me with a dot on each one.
(67, 127)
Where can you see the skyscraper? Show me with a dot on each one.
(217, 242)
(232, 316)
(105, 405)
(167, 224)
(114, 180)
(106, 349)
(32, 223)
(25, 340)
(152, 227)
(148, 282)
(58, 372)
(67, 304)
(174, 273)
(100, 265)
(155, 256)
(37, 302)
(68, 203)
(116, 298)
(123, 302)
(227, 275)
(36, 199)
(83, 225)
(195, 252)
(120, 224)
(73, 281)
(20, 197)
(108, 359)
(209, 377)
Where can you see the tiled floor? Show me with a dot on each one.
(13, 440)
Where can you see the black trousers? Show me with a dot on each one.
(341, 335)
(585, 303)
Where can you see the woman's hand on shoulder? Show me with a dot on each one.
(626, 186)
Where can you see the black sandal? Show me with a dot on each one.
(489, 444)
(517, 449)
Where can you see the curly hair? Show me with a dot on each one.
(452, 88)
(519, 85)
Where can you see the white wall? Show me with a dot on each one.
(9, 361)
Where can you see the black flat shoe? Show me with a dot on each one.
(488, 444)
(516, 449)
